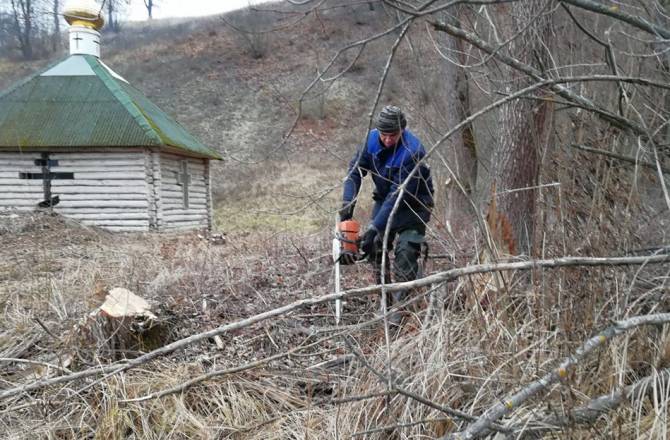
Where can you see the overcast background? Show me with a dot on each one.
(189, 8)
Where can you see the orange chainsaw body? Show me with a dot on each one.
(349, 230)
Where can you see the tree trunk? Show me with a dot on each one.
(111, 21)
(461, 151)
(55, 39)
(22, 12)
(150, 6)
(664, 60)
(524, 126)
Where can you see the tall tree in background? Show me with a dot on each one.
(23, 16)
(524, 124)
(150, 5)
(663, 19)
(31, 26)
(461, 152)
(6, 29)
(114, 8)
(55, 39)
(111, 22)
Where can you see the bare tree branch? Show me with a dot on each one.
(592, 410)
(612, 118)
(619, 157)
(400, 390)
(614, 12)
(488, 108)
(609, 52)
(499, 410)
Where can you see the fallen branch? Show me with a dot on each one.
(493, 414)
(45, 328)
(59, 379)
(359, 398)
(38, 363)
(589, 413)
(426, 281)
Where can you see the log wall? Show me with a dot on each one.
(15, 193)
(109, 189)
(173, 213)
(137, 190)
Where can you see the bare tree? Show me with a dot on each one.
(114, 9)
(150, 5)
(112, 21)
(251, 27)
(23, 17)
(6, 30)
(55, 39)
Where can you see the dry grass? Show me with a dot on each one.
(462, 357)
(57, 272)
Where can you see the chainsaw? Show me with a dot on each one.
(345, 251)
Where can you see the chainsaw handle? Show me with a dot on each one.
(343, 239)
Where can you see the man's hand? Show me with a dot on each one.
(347, 212)
(347, 258)
(368, 240)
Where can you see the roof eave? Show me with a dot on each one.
(92, 149)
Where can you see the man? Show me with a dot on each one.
(390, 155)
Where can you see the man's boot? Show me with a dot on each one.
(396, 298)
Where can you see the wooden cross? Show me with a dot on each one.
(46, 175)
(183, 179)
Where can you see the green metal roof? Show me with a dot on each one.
(80, 102)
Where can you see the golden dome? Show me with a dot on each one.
(85, 13)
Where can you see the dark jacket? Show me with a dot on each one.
(389, 168)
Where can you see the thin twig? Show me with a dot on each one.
(620, 157)
(612, 118)
(45, 328)
(41, 364)
(398, 389)
(638, 22)
(216, 373)
(400, 425)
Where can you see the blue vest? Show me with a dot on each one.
(389, 167)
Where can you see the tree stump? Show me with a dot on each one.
(124, 326)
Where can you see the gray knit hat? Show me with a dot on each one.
(390, 120)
